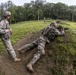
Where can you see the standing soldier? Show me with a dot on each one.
(48, 34)
(5, 33)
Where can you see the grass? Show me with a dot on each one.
(24, 28)
(21, 29)
(64, 53)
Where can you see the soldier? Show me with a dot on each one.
(44, 19)
(5, 33)
(48, 34)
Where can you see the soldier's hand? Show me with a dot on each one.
(7, 30)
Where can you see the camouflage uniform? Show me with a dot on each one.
(48, 34)
(5, 37)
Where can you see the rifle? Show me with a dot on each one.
(61, 28)
(66, 28)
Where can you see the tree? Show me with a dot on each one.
(38, 9)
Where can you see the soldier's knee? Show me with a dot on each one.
(35, 56)
(30, 46)
(41, 49)
(10, 48)
(27, 46)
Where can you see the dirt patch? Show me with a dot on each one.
(42, 67)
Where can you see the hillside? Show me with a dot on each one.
(60, 58)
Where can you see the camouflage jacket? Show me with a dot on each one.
(50, 32)
(3, 26)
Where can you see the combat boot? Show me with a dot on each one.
(17, 59)
(30, 68)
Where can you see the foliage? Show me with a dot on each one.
(38, 9)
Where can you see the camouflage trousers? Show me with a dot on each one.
(39, 43)
(10, 50)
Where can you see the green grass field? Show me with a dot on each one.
(21, 29)
(63, 53)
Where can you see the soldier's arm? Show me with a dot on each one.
(8, 27)
(58, 33)
(46, 30)
(2, 31)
